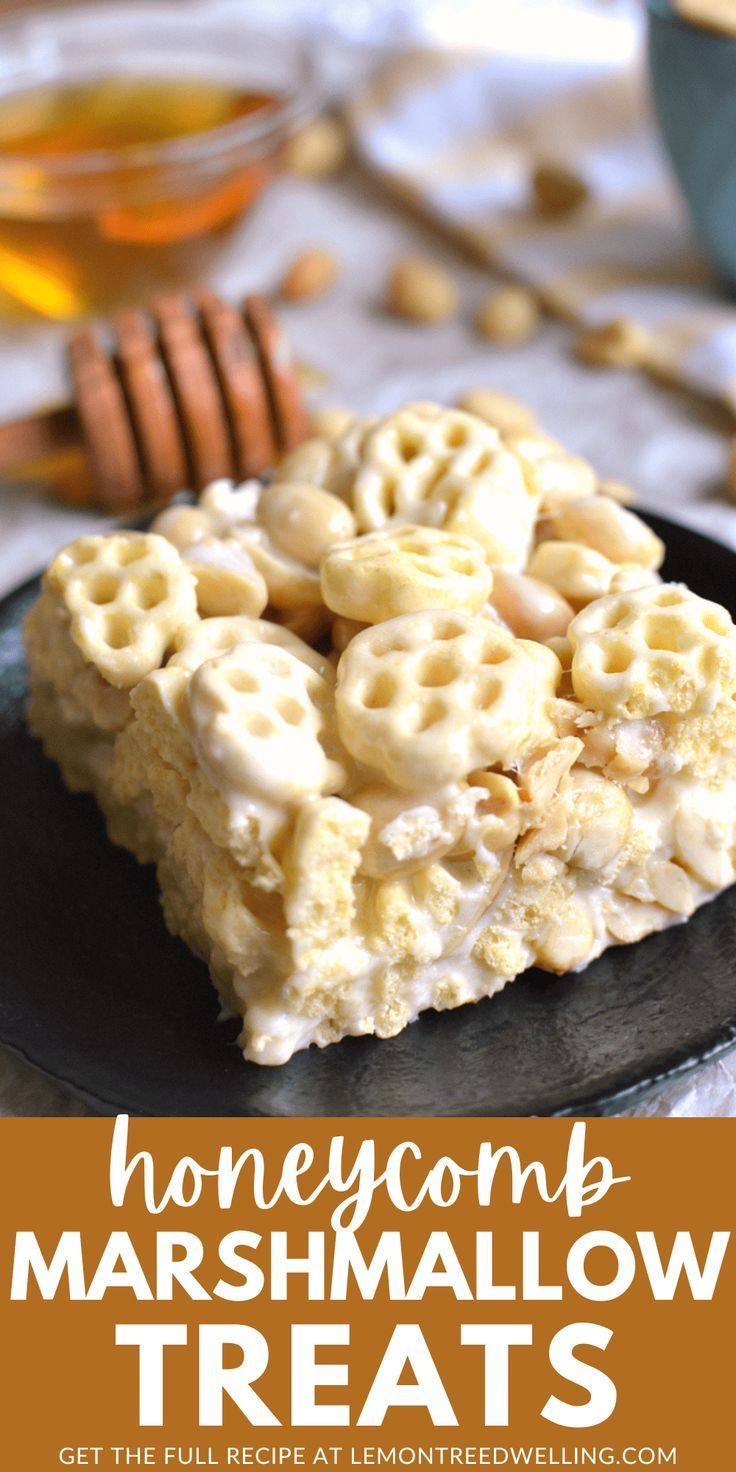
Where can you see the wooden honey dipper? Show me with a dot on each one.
(169, 398)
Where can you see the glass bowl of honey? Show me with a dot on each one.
(133, 140)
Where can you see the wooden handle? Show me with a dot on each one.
(38, 436)
(169, 398)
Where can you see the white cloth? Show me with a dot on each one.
(562, 83)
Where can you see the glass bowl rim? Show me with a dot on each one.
(279, 118)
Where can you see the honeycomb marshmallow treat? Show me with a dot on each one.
(415, 716)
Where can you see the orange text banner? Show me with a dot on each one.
(372, 1293)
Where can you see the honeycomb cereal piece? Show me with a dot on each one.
(83, 697)
(320, 868)
(581, 575)
(404, 455)
(128, 596)
(160, 755)
(260, 717)
(228, 581)
(428, 697)
(652, 650)
(213, 636)
(448, 469)
(405, 570)
(600, 523)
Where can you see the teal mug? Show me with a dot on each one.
(693, 73)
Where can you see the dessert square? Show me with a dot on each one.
(413, 717)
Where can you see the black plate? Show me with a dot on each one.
(95, 993)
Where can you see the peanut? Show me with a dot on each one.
(182, 525)
(508, 315)
(557, 191)
(507, 415)
(599, 816)
(630, 920)
(421, 290)
(618, 344)
(620, 535)
(320, 148)
(532, 609)
(568, 940)
(617, 490)
(698, 848)
(311, 274)
(554, 475)
(671, 887)
(330, 421)
(303, 520)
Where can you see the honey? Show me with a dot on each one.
(114, 188)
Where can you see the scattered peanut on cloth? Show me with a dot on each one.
(557, 190)
(508, 314)
(310, 275)
(421, 290)
(618, 344)
(318, 149)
